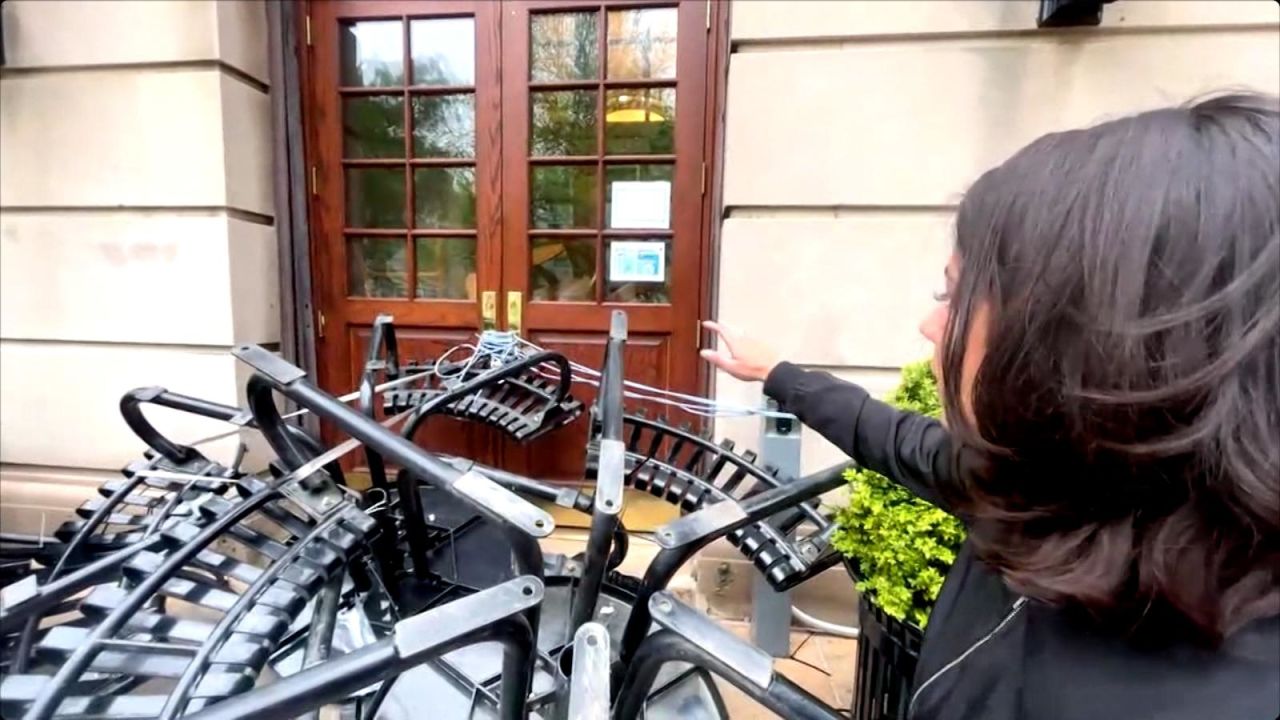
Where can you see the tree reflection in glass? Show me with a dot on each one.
(563, 196)
(375, 197)
(444, 126)
(642, 43)
(444, 51)
(373, 126)
(444, 197)
(372, 53)
(376, 267)
(446, 268)
(563, 123)
(564, 46)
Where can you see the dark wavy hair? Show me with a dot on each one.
(1125, 417)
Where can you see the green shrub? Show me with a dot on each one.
(902, 546)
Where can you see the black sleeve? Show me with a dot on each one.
(909, 448)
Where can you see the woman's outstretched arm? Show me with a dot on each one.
(909, 448)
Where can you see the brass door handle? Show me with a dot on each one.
(515, 307)
(489, 310)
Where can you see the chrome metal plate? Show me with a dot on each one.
(498, 501)
(671, 614)
(589, 682)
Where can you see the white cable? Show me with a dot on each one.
(829, 628)
(500, 348)
(688, 403)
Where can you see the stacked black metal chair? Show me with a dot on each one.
(525, 399)
(691, 471)
(187, 612)
(191, 588)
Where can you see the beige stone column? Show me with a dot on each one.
(136, 238)
(853, 129)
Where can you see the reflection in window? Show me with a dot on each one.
(444, 51)
(564, 46)
(640, 121)
(446, 268)
(376, 267)
(444, 126)
(372, 53)
(375, 198)
(562, 269)
(373, 127)
(563, 123)
(444, 197)
(563, 196)
(642, 43)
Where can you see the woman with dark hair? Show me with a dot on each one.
(1108, 348)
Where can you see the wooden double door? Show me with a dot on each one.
(526, 165)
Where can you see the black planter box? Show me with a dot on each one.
(888, 650)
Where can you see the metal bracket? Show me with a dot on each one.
(589, 682)
(521, 513)
(18, 593)
(149, 394)
(618, 325)
(276, 368)
(567, 498)
(317, 494)
(707, 634)
(423, 632)
(697, 525)
(609, 477)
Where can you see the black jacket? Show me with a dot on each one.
(989, 654)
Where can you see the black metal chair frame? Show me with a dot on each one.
(171, 555)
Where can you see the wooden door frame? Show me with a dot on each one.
(719, 48)
(295, 103)
(285, 45)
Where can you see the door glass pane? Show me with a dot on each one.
(444, 51)
(638, 196)
(444, 126)
(375, 198)
(372, 53)
(638, 271)
(376, 267)
(640, 121)
(444, 197)
(373, 127)
(446, 268)
(563, 123)
(563, 196)
(564, 46)
(642, 43)
(562, 269)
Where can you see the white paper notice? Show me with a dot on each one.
(637, 261)
(640, 205)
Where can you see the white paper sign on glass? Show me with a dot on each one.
(637, 261)
(640, 205)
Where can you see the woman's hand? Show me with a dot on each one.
(740, 356)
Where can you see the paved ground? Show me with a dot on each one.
(821, 664)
